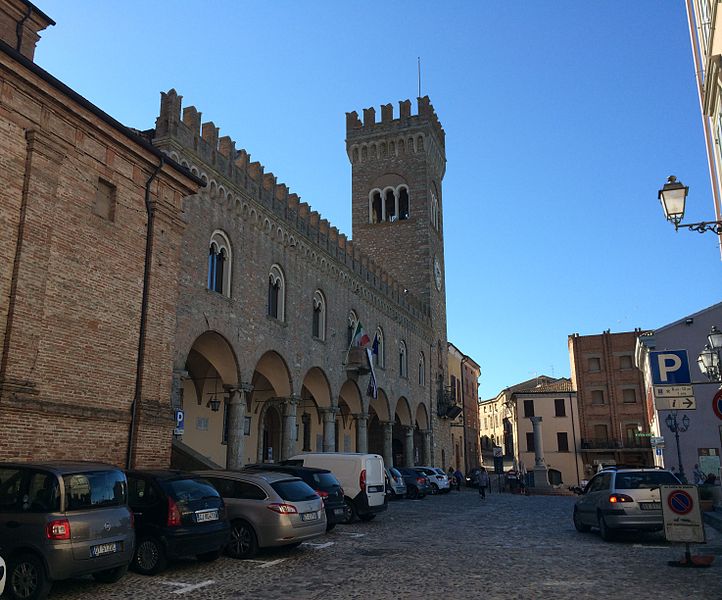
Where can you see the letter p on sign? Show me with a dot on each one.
(670, 367)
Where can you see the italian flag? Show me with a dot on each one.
(360, 338)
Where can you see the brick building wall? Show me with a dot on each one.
(71, 279)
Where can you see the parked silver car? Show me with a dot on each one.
(617, 499)
(267, 509)
(63, 520)
(396, 483)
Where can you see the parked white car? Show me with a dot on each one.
(3, 571)
(438, 480)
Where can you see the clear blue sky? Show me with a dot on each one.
(563, 119)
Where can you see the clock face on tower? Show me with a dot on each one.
(437, 273)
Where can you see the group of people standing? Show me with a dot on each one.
(480, 477)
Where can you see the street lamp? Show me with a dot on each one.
(709, 358)
(676, 427)
(673, 197)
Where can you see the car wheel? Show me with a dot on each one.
(209, 556)
(605, 532)
(244, 543)
(26, 578)
(578, 525)
(111, 575)
(367, 518)
(434, 488)
(413, 493)
(149, 557)
(350, 514)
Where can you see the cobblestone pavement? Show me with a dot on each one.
(449, 546)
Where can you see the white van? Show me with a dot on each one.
(361, 476)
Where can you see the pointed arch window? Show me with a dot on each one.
(276, 293)
(403, 360)
(219, 264)
(319, 315)
(434, 210)
(422, 369)
(402, 194)
(379, 360)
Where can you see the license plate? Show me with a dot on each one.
(312, 516)
(375, 488)
(102, 549)
(206, 515)
(650, 505)
(339, 512)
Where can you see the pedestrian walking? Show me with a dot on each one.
(482, 478)
(459, 476)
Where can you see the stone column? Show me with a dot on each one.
(288, 445)
(408, 444)
(329, 428)
(362, 430)
(388, 427)
(541, 475)
(235, 440)
(427, 448)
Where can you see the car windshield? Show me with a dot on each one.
(395, 472)
(95, 489)
(294, 490)
(644, 480)
(325, 480)
(188, 490)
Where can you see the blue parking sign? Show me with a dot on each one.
(670, 367)
(179, 422)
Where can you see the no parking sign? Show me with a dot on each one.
(681, 514)
(717, 404)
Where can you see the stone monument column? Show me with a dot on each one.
(541, 475)
(388, 427)
(288, 445)
(235, 439)
(362, 430)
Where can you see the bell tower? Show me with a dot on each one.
(397, 168)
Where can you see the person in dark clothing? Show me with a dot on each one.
(459, 476)
(482, 478)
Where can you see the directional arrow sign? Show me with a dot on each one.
(666, 403)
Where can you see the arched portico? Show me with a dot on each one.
(351, 420)
(317, 413)
(210, 392)
(272, 426)
(380, 427)
(422, 437)
(403, 434)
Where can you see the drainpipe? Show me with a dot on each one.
(143, 318)
(574, 437)
(20, 26)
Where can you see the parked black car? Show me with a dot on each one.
(176, 514)
(324, 483)
(60, 520)
(417, 484)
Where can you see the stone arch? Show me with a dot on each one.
(403, 411)
(422, 417)
(211, 366)
(317, 384)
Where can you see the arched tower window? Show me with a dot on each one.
(375, 207)
(434, 210)
(219, 264)
(422, 369)
(402, 194)
(379, 356)
(351, 326)
(276, 293)
(319, 315)
(403, 361)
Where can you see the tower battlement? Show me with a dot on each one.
(388, 124)
(199, 146)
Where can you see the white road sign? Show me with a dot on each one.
(498, 451)
(681, 514)
(667, 403)
(673, 391)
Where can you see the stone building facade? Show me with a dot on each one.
(612, 401)
(150, 272)
(270, 336)
(88, 291)
(463, 385)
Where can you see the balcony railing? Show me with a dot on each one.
(615, 444)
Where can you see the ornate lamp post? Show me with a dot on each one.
(677, 427)
(673, 197)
